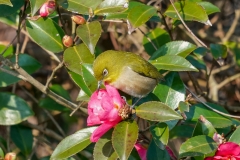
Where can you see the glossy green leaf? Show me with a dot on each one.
(235, 136)
(155, 153)
(90, 33)
(197, 146)
(80, 6)
(1, 153)
(124, 137)
(74, 56)
(204, 127)
(160, 133)
(111, 6)
(141, 14)
(200, 52)
(46, 33)
(158, 36)
(35, 5)
(196, 62)
(82, 96)
(189, 11)
(22, 138)
(218, 50)
(73, 144)
(173, 63)
(171, 91)
(29, 64)
(6, 2)
(180, 48)
(13, 109)
(103, 148)
(6, 10)
(183, 107)
(89, 78)
(156, 111)
(199, 109)
(182, 131)
(209, 7)
(51, 104)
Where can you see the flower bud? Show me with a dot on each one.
(10, 156)
(47, 8)
(78, 19)
(67, 41)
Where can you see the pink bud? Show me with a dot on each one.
(47, 8)
(67, 41)
(10, 156)
(78, 19)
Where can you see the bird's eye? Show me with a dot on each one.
(105, 72)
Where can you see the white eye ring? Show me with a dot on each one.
(105, 72)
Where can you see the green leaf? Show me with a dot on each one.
(235, 136)
(89, 78)
(124, 137)
(29, 64)
(74, 56)
(196, 62)
(35, 5)
(173, 63)
(6, 2)
(1, 153)
(13, 109)
(180, 48)
(22, 138)
(51, 104)
(199, 109)
(218, 50)
(171, 91)
(183, 107)
(183, 131)
(46, 33)
(197, 146)
(160, 133)
(111, 6)
(8, 52)
(90, 33)
(158, 36)
(156, 111)
(205, 127)
(73, 144)
(103, 148)
(189, 11)
(7, 10)
(155, 153)
(80, 6)
(141, 14)
(209, 7)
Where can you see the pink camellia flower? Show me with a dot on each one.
(142, 151)
(226, 151)
(47, 8)
(103, 109)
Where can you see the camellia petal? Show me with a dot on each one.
(142, 151)
(101, 130)
(228, 148)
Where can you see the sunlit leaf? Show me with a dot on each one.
(13, 109)
(6, 2)
(197, 146)
(111, 6)
(209, 7)
(235, 136)
(46, 33)
(90, 33)
(73, 144)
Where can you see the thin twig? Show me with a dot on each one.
(165, 22)
(52, 75)
(179, 16)
(233, 26)
(26, 39)
(195, 83)
(226, 81)
(209, 107)
(154, 46)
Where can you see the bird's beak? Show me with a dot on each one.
(99, 84)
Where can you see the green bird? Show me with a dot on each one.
(127, 72)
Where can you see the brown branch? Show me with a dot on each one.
(179, 16)
(226, 81)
